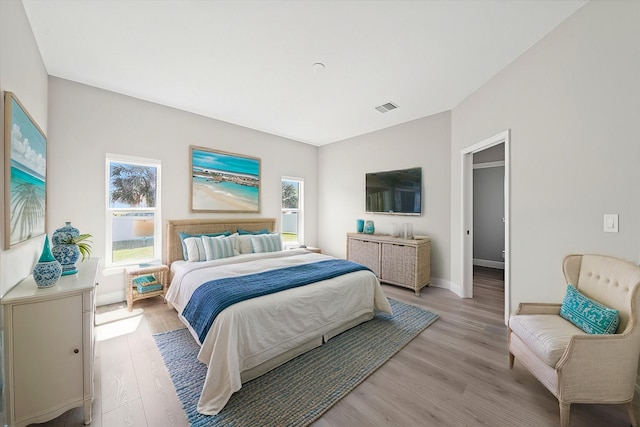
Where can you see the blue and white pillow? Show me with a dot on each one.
(195, 249)
(218, 247)
(183, 236)
(266, 243)
(587, 314)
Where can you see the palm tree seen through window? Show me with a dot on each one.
(132, 209)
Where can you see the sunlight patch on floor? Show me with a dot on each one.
(116, 323)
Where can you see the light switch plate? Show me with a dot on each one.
(611, 223)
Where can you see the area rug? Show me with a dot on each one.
(300, 391)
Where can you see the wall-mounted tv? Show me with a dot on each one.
(394, 192)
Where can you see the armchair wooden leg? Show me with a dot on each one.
(565, 408)
(512, 359)
(632, 416)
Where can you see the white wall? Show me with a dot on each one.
(424, 142)
(85, 123)
(572, 103)
(21, 72)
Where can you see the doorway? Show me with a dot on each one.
(488, 207)
(467, 204)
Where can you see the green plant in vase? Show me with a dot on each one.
(82, 242)
(69, 249)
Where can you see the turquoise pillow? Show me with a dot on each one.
(587, 314)
(185, 255)
(263, 231)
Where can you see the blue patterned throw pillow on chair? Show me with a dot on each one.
(587, 314)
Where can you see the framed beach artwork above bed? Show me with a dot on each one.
(25, 174)
(224, 182)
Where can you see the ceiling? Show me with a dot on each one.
(251, 62)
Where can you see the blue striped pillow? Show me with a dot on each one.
(218, 247)
(266, 243)
(194, 249)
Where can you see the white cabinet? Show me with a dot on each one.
(402, 262)
(49, 347)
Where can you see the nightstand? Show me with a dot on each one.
(152, 277)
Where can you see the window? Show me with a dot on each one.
(134, 230)
(292, 214)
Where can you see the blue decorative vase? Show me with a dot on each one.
(64, 233)
(360, 225)
(48, 270)
(67, 254)
(369, 227)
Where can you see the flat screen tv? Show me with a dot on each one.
(394, 192)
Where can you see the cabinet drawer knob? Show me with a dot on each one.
(76, 351)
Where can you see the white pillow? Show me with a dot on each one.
(218, 247)
(194, 249)
(243, 243)
(234, 238)
(266, 242)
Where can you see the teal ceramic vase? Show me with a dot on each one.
(369, 228)
(48, 270)
(360, 225)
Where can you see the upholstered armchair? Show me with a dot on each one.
(576, 366)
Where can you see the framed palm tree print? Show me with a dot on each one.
(25, 174)
(224, 182)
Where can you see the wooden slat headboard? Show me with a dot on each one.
(201, 226)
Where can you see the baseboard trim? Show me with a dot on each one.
(445, 284)
(111, 298)
(488, 263)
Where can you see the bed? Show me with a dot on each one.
(251, 337)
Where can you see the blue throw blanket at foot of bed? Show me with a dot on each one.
(214, 296)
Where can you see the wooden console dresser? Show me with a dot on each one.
(402, 262)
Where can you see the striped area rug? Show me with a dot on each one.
(300, 391)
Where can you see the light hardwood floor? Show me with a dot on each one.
(455, 373)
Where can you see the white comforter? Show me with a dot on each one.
(251, 332)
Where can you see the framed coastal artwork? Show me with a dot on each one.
(25, 174)
(224, 182)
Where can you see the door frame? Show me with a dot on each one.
(466, 265)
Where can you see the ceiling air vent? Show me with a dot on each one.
(386, 107)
